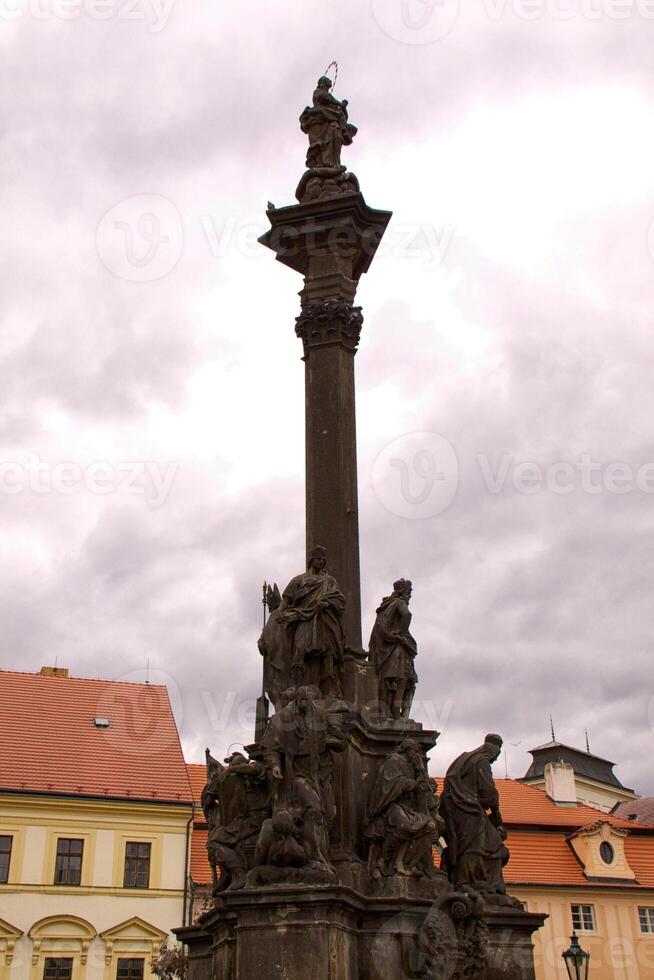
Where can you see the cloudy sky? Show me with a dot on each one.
(152, 412)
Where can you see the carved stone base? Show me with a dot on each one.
(336, 933)
(324, 183)
(510, 954)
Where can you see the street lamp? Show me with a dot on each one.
(577, 961)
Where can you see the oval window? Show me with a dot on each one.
(607, 853)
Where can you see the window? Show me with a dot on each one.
(583, 918)
(130, 970)
(137, 865)
(646, 917)
(606, 852)
(58, 969)
(5, 858)
(68, 869)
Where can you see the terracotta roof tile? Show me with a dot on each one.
(543, 858)
(200, 870)
(50, 743)
(640, 855)
(523, 805)
(197, 774)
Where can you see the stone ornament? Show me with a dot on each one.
(452, 941)
(393, 651)
(330, 322)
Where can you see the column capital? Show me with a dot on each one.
(328, 323)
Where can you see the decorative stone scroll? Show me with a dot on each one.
(453, 940)
(328, 323)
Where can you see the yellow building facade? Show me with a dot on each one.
(619, 949)
(100, 921)
(590, 872)
(95, 829)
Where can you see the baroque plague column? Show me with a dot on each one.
(324, 839)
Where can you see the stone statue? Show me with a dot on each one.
(403, 822)
(280, 851)
(312, 611)
(298, 746)
(475, 852)
(393, 650)
(235, 801)
(326, 124)
(274, 648)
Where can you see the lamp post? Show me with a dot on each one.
(577, 961)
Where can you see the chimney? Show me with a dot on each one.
(560, 783)
(54, 672)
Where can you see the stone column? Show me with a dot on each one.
(331, 243)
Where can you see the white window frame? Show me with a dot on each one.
(578, 910)
(646, 919)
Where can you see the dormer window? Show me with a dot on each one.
(600, 849)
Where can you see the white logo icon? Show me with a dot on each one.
(416, 21)
(417, 475)
(141, 238)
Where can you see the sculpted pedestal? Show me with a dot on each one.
(336, 933)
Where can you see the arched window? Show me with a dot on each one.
(60, 947)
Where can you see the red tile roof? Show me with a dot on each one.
(542, 858)
(547, 858)
(49, 743)
(197, 774)
(200, 870)
(525, 805)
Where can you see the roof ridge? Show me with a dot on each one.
(74, 677)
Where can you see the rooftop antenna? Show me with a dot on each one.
(506, 764)
(552, 729)
(587, 742)
(147, 671)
